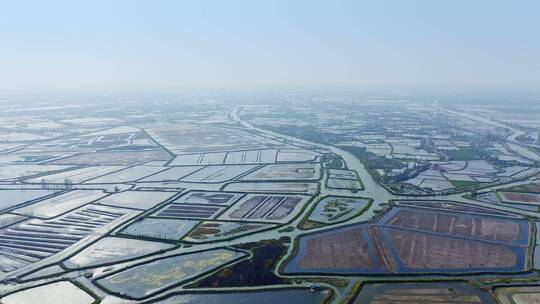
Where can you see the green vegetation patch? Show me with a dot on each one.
(466, 153)
(333, 162)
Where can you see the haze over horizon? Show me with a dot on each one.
(139, 45)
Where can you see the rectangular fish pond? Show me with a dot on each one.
(149, 278)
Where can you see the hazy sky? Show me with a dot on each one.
(248, 44)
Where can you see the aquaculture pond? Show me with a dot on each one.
(37, 239)
(127, 175)
(346, 250)
(209, 231)
(282, 172)
(489, 197)
(208, 198)
(8, 219)
(519, 294)
(416, 240)
(159, 228)
(265, 207)
(149, 278)
(536, 253)
(257, 270)
(279, 296)
(459, 224)
(62, 292)
(136, 199)
(171, 174)
(275, 187)
(520, 197)
(12, 198)
(59, 204)
(441, 293)
(114, 250)
(44, 272)
(342, 174)
(454, 206)
(338, 183)
(217, 174)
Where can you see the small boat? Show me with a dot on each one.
(315, 287)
